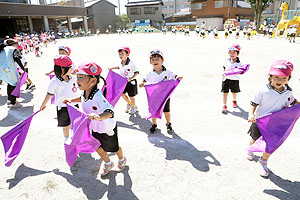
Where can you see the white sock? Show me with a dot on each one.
(66, 137)
(108, 163)
(121, 160)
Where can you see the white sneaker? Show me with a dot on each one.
(16, 105)
(133, 110)
(128, 108)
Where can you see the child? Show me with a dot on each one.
(215, 32)
(101, 113)
(237, 33)
(231, 82)
(293, 33)
(63, 85)
(275, 96)
(128, 70)
(30, 85)
(158, 74)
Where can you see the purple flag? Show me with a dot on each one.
(275, 128)
(17, 91)
(53, 97)
(14, 139)
(240, 70)
(82, 141)
(157, 95)
(115, 87)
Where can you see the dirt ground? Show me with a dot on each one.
(203, 159)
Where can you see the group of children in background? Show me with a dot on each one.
(64, 86)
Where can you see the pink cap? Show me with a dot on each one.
(63, 61)
(235, 47)
(156, 51)
(89, 68)
(281, 68)
(125, 49)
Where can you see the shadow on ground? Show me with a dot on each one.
(290, 189)
(16, 115)
(85, 175)
(242, 113)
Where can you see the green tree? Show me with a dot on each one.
(122, 21)
(259, 6)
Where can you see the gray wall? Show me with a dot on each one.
(154, 17)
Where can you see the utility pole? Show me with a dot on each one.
(120, 7)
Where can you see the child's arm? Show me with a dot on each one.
(251, 117)
(142, 84)
(47, 98)
(47, 74)
(133, 77)
(180, 78)
(100, 117)
(113, 68)
(77, 100)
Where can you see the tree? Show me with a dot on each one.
(259, 6)
(122, 21)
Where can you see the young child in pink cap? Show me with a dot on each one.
(62, 86)
(157, 74)
(101, 113)
(128, 70)
(274, 96)
(231, 82)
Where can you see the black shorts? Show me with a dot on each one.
(230, 32)
(232, 85)
(216, 35)
(254, 131)
(293, 35)
(167, 106)
(270, 33)
(226, 34)
(237, 33)
(63, 117)
(131, 88)
(108, 143)
(202, 33)
(248, 34)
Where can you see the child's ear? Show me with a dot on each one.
(162, 59)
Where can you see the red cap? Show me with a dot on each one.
(281, 68)
(125, 49)
(89, 68)
(235, 47)
(63, 61)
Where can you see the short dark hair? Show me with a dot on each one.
(60, 71)
(120, 50)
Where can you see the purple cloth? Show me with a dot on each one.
(82, 141)
(157, 95)
(14, 139)
(53, 97)
(115, 86)
(275, 128)
(17, 91)
(240, 70)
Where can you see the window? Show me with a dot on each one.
(221, 4)
(149, 10)
(196, 6)
(135, 11)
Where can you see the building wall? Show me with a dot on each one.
(212, 8)
(172, 6)
(156, 16)
(103, 15)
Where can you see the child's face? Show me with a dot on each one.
(156, 61)
(279, 81)
(62, 52)
(123, 54)
(233, 54)
(69, 71)
(84, 82)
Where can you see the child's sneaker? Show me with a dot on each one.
(28, 86)
(128, 108)
(224, 110)
(106, 168)
(122, 165)
(234, 104)
(250, 155)
(16, 105)
(169, 128)
(32, 87)
(133, 110)
(153, 128)
(262, 167)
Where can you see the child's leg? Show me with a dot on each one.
(125, 97)
(103, 154)
(153, 120)
(132, 100)
(66, 130)
(251, 141)
(265, 156)
(225, 95)
(167, 116)
(233, 96)
(120, 153)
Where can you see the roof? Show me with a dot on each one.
(91, 3)
(183, 12)
(144, 3)
(243, 4)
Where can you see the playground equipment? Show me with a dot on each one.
(284, 23)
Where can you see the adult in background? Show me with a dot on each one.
(10, 58)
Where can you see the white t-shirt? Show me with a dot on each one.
(96, 103)
(153, 77)
(269, 100)
(128, 69)
(293, 30)
(229, 65)
(63, 90)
